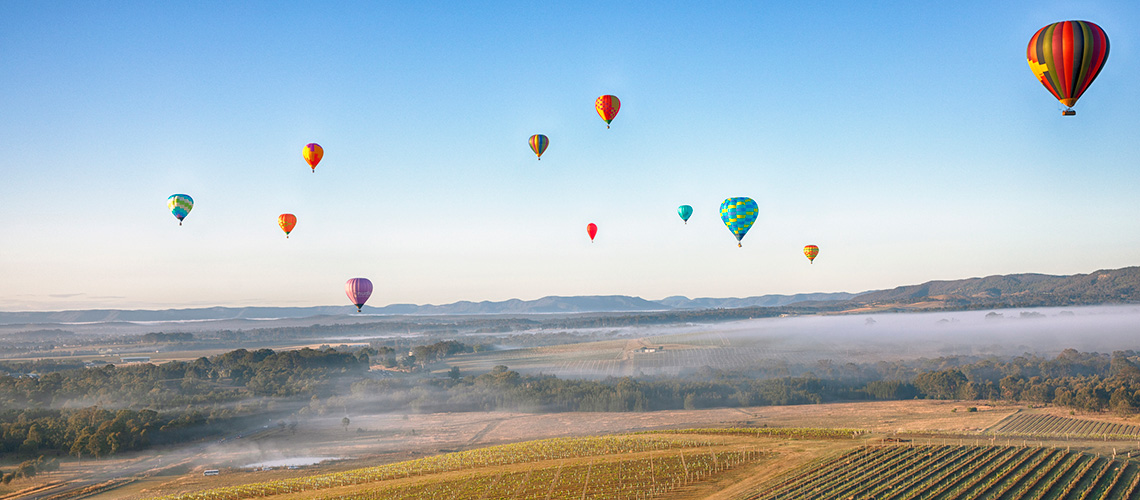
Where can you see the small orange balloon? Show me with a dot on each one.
(287, 222)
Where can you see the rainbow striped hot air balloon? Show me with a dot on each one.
(538, 144)
(738, 214)
(313, 153)
(607, 106)
(810, 251)
(1066, 57)
(358, 291)
(180, 205)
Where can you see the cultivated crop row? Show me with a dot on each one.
(773, 432)
(1040, 425)
(530, 451)
(624, 479)
(939, 472)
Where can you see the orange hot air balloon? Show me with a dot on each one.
(287, 222)
(591, 230)
(810, 251)
(607, 106)
(313, 153)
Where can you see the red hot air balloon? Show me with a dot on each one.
(1066, 57)
(607, 107)
(358, 290)
(591, 230)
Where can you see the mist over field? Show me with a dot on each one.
(802, 342)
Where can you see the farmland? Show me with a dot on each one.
(959, 472)
(635, 466)
(1053, 426)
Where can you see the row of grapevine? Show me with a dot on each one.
(529, 451)
(611, 480)
(900, 472)
(773, 432)
(1042, 425)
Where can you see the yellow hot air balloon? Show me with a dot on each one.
(810, 252)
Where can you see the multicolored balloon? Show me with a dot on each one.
(1066, 57)
(607, 106)
(313, 153)
(810, 251)
(358, 290)
(591, 230)
(538, 143)
(180, 205)
(738, 214)
(685, 212)
(287, 223)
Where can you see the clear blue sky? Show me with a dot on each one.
(909, 140)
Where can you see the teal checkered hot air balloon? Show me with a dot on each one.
(738, 214)
(180, 205)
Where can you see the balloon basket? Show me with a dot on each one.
(1069, 112)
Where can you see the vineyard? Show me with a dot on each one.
(1042, 425)
(594, 467)
(900, 472)
(620, 479)
(773, 432)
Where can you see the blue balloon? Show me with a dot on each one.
(739, 214)
(685, 212)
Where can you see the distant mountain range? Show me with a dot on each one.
(1113, 286)
(1100, 287)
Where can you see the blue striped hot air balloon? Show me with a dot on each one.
(738, 214)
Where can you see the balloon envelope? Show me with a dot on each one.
(538, 144)
(591, 230)
(607, 106)
(358, 291)
(810, 251)
(738, 214)
(287, 223)
(685, 212)
(1066, 57)
(313, 153)
(180, 205)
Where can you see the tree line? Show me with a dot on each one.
(100, 411)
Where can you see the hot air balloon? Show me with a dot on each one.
(591, 230)
(358, 290)
(287, 222)
(685, 212)
(810, 251)
(738, 214)
(1066, 57)
(607, 106)
(180, 205)
(313, 153)
(538, 143)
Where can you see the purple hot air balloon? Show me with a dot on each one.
(358, 290)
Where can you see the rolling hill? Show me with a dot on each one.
(1111, 286)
